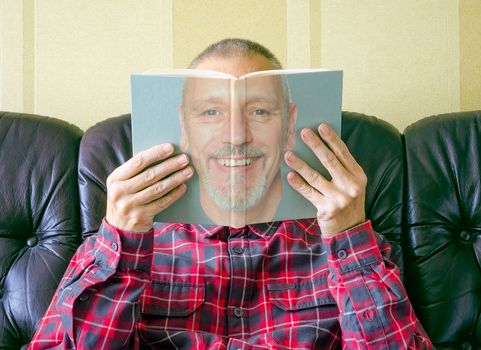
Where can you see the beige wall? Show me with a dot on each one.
(402, 60)
(196, 24)
(12, 56)
(85, 52)
(470, 48)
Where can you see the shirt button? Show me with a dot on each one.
(368, 315)
(239, 250)
(341, 254)
(115, 246)
(238, 312)
(84, 297)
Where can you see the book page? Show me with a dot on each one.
(199, 73)
(284, 72)
(236, 133)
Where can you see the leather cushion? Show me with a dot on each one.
(39, 218)
(443, 247)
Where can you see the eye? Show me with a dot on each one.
(259, 112)
(211, 113)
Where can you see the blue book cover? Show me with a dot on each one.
(235, 131)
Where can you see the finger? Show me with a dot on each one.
(162, 187)
(307, 191)
(339, 148)
(312, 177)
(162, 203)
(155, 173)
(141, 160)
(325, 155)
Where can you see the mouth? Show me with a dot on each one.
(230, 163)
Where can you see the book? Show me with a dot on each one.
(235, 131)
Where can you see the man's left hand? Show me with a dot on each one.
(340, 201)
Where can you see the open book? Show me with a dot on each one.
(235, 131)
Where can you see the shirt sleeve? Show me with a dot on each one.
(97, 299)
(375, 312)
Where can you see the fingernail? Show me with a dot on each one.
(187, 171)
(183, 159)
(166, 147)
(323, 129)
(306, 131)
(290, 156)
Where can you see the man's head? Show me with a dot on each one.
(237, 131)
(239, 49)
(236, 48)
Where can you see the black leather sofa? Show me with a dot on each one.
(39, 218)
(423, 194)
(442, 235)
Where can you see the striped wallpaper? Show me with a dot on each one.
(401, 60)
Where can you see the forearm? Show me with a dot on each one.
(375, 311)
(97, 299)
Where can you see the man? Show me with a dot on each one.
(322, 283)
(236, 138)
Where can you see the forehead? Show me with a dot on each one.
(265, 87)
(236, 65)
(198, 91)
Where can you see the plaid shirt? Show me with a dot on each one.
(265, 286)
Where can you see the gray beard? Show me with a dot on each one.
(236, 197)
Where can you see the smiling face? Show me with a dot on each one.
(236, 140)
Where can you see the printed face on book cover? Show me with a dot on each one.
(236, 133)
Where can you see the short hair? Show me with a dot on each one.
(236, 47)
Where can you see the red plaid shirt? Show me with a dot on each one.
(265, 286)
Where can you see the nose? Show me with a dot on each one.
(237, 130)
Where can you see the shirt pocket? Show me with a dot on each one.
(303, 313)
(176, 299)
(304, 294)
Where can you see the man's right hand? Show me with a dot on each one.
(137, 192)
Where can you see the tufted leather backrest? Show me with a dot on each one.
(39, 218)
(104, 147)
(443, 217)
(376, 145)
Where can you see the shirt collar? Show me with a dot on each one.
(261, 230)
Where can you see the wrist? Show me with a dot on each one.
(332, 230)
(129, 227)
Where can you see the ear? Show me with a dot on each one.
(291, 126)
(184, 140)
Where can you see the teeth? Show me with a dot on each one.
(235, 162)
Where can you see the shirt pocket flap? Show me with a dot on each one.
(172, 298)
(304, 294)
